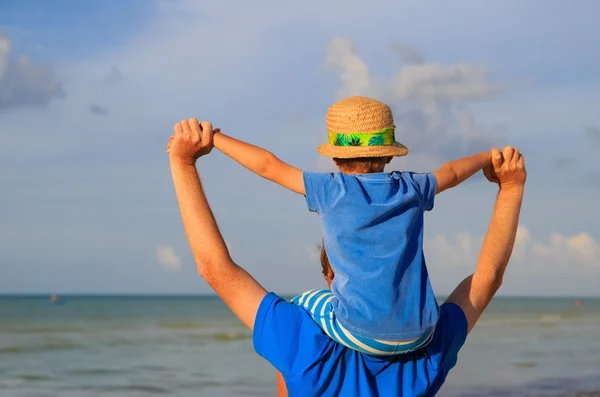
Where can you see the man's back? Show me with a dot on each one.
(373, 236)
(314, 365)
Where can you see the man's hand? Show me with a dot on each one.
(509, 167)
(190, 141)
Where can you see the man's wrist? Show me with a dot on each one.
(182, 162)
(512, 190)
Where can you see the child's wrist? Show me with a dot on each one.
(486, 158)
(217, 139)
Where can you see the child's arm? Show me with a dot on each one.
(261, 162)
(455, 172)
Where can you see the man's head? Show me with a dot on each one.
(361, 135)
(325, 265)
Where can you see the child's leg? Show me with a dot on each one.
(318, 304)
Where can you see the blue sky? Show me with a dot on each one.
(89, 92)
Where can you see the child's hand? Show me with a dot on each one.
(489, 173)
(190, 141)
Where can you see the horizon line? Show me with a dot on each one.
(213, 295)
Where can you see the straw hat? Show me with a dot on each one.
(361, 127)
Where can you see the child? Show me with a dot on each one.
(381, 302)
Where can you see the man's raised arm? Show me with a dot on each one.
(476, 291)
(242, 293)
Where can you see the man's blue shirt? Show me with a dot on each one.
(314, 365)
(373, 231)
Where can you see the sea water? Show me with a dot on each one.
(183, 346)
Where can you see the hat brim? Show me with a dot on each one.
(351, 152)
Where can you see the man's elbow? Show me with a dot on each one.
(211, 268)
(496, 283)
(491, 281)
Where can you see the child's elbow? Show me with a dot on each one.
(454, 180)
(267, 165)
(448, 180)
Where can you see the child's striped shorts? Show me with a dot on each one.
(318, 304)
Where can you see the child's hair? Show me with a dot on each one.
(362, 165)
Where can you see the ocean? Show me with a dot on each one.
(129, 346)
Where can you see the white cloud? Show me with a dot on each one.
(551, 265)
(167, 257)
(429, 100)
(578, 249)
(432, 82)
(417, 80)
(556, 250)
(22, 82)
(355, 75)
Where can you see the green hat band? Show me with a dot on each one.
(376, 138)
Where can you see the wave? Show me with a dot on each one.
(535, 320)
(551, 318)
(51, 346)
(120, 388)
(42, 330)
(222, 336)
(231, 336)
(95, 371)
(33, 377)
(525, 364)
(184, 325)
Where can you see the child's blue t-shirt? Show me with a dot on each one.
(373, 232)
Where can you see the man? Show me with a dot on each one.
(310, 363)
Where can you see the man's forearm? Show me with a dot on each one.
(238, 289)
(206, 242)
(252, 157)
(499, 241)
(475, 292)
(466, 167)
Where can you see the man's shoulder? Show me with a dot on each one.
(280, 323)
(275, 310)
(449, 336)
(286, 336)
(271, 303)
